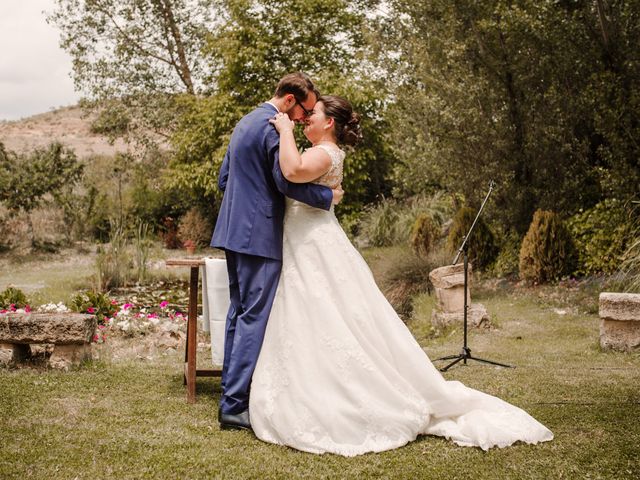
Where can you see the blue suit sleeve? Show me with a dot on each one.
(317, 196)
(224, 171)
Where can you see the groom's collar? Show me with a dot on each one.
(269, 103)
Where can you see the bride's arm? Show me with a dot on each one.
(296, 168)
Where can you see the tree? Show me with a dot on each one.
(136, 54)
(539, 95)
(258, 43)
(27, 179)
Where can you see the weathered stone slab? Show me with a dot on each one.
(57, 328)
(619, 321)
(448, 283)
(477, 317)
(622, 307)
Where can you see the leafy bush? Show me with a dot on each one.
(482, 242)
(170, 233)
(424, 235)
(13, 296)
(547, 251)
(629, 272)
(195, 227)
(601, 235)
(508, 259)
(95, 303)
(378, 227)
(391, 222)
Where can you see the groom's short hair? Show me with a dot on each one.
(299, 84)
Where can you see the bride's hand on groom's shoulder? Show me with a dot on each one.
(282, 122)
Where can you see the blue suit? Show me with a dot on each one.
(249, 229)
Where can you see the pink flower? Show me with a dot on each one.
(3, 311)
(164, 304)
(27, 309)
(152, 315)
(12, 307)
(127, 306)
(101, 327)
(91, 310)
(114, 302)
(96, 337)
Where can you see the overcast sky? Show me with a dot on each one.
(34, 71)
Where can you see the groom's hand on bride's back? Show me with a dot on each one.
(338, 193)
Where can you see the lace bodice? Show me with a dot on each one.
(333, 177)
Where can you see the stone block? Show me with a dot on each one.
(477, 317)
(619, 321)
(71, 333)
(57, 328)
(448, 283)
(64, 356)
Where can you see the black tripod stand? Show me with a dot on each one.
(464, 250)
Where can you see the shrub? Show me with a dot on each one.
(601, 235)
(96, 303)
(482, 242)
(195, 227)
(407, 276)
(13, 296)
(378, 224)
(170, 233)
(508, 259)
(629, 272)
(112, 260)
(424, 235)
(547, 251)
(391, 222)
(142, 247)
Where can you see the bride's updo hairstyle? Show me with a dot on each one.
(347, 122)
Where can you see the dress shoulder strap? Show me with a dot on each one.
(335, 153)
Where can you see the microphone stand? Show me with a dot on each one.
(464, 251)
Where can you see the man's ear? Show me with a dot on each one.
(290, 99)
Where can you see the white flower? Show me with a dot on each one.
(124, 325)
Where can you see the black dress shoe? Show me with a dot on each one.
(238, 421)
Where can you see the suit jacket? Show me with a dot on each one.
(252, 211)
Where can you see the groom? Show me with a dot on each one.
(249, 230)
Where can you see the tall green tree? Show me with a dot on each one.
(259, 42)
(539, 95)
(25, 180)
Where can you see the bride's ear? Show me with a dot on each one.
(330, 123)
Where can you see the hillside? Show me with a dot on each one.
(69, 125)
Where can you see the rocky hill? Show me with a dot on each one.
(68, 125)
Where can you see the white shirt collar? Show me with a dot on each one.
(274, 106)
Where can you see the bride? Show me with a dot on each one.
(338, 370)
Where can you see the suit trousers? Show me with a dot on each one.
(253, 282)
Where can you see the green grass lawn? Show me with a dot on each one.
(130, 419)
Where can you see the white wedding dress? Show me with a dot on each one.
(339, 371)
